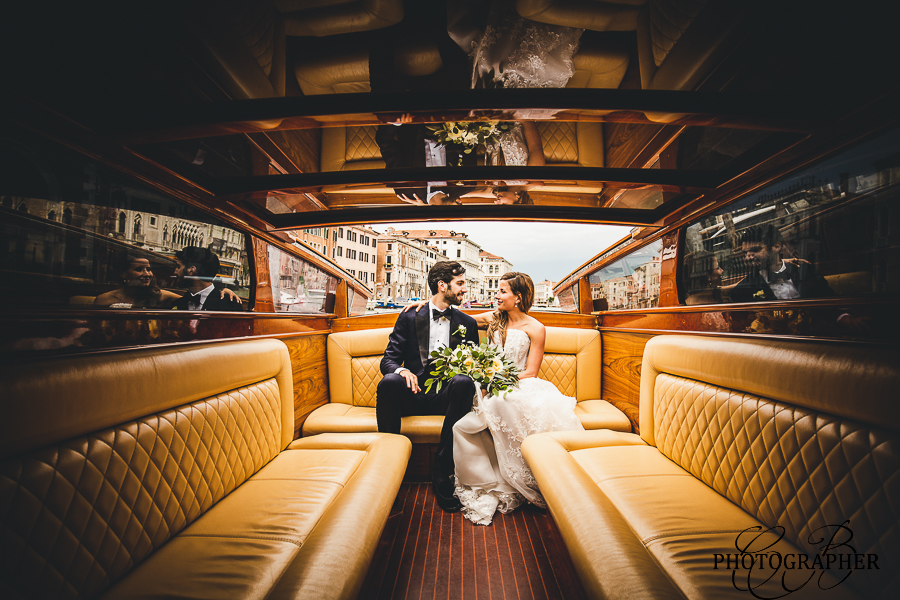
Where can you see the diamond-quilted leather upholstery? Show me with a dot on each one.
(734, 434)
(350, 148)
(197, 496)
(361, 144)
(559, 369)
(571, 362)
(560, 141)
(134, 486)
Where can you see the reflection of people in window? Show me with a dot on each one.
(705, 278)
(196, 270)
(772, 276)
(139, 288)
(511, 195)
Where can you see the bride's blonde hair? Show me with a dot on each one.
(522, 287)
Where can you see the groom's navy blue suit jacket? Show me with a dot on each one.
(408, 344)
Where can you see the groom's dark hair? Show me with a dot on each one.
(444, 271)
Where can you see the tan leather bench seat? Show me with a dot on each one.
(571, 362)
(734, 435)
(160, 472)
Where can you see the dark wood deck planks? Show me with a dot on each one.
(427, 554)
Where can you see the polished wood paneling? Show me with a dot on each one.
(310, 369)
(38, 334)
(833, 319)
(264, 301)
(427, 553)
(668, 271)
(621, 372)
(341, 309)
(585, 300)
(375, 321)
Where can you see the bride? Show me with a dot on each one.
(491, 473)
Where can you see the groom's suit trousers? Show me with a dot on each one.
(394, 400)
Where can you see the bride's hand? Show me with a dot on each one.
(416, 305)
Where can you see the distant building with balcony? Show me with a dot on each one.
(492, 267)
(543, 291)
(402, 266)
(452, 245)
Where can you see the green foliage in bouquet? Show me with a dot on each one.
(469, 134)
(484, 364)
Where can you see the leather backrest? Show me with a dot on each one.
(572, 144)
(571, 362)
(333, 17)
(132, 447)
(798, 435)
(242, 44)
(350, 148)
(680, 41)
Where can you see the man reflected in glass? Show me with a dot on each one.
(773, 276)
(197, 269)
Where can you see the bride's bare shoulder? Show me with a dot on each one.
(534, 328)
(535, 324)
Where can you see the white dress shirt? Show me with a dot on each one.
(783, 289)
(197, 300)
(435, 156)
(438, 331)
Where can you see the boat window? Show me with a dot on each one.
(825, 231)
(630, 282)
(298, 286)
(77, 234)
(568, 299)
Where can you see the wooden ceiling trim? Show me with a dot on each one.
(489, 212)
(672, 180)
(188, 121)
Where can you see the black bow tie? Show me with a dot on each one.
(437, 314)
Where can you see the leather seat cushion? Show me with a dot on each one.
(672, 516)
(340, 417)
(426, 429)
(680, 520)
(267, 531)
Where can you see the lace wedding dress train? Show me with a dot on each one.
(491, 474)
(518, 53)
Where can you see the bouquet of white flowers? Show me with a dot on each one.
(484, 364)
(469, 134)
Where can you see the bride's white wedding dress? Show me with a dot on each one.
(491, 474)
(519, 53)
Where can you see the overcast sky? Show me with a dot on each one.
(543, 250)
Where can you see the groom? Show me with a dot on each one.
(406, 367)
(405, 144)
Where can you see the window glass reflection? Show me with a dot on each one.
(630, 282)
(77, 234)
(299, 287)
(809, 236)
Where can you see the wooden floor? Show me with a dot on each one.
(427, 553)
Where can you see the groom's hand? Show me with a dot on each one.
(412, 382)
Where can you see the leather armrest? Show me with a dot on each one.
(338, 16)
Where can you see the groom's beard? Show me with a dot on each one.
(451, 298)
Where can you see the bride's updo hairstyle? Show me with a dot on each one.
(522, 287)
